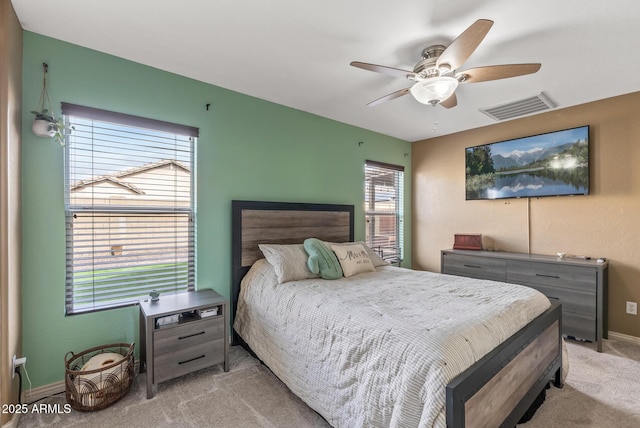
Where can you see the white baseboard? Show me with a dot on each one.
(625, 337)
(40, 392)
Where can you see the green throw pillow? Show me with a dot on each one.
(322, 260)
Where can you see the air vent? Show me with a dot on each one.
(534, 104)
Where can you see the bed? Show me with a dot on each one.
(402, 377)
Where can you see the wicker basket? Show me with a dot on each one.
(90, 390)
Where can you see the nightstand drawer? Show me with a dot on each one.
(170, 365)
(474, 267)
(175, 338)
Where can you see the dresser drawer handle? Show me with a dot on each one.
(190, 335)
(192, 359)
(473, 266)
(548, 276)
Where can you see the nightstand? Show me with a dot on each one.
(181, 333)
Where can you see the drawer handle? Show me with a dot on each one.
(473, 266)
(190, 335)
(548, 276)
(192, 359)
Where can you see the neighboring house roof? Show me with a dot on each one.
(117, 177)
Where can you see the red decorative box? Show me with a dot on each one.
(467, 241)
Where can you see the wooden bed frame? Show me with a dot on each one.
(495, 391)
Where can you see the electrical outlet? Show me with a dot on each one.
(15, 363)
(632, 308)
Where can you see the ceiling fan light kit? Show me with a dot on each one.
(434, 90)
(436, 74)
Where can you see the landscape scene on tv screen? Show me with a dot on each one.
(552, 164)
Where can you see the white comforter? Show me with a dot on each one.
(377, 349)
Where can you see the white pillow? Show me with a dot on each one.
(375, 258)
(289, 261)
(353, 259)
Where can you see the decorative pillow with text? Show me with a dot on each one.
(375, 258)
(354, 259)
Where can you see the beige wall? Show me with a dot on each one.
(10, 124)
(604, 224)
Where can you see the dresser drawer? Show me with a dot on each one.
(174, 338)
(578, 301)
(552, 275)
(186, 360)
(474, 267)
(579, 325)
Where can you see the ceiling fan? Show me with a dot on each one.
(436, 77)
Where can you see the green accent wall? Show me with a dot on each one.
(248, 149)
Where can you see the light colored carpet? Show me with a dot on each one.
(601, 390)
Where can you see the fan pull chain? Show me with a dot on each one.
(435, 119)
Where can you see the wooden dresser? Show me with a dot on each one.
(581, 286)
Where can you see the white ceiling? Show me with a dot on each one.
(297, 53)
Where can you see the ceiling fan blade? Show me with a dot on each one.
(465, 44)
(389, 97)
(389, 71)
(452, 101)
(495, 72)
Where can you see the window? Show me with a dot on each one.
(129, 206)
(384, 208)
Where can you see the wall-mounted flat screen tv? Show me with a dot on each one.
(551, 164)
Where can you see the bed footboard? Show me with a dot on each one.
(498, 389)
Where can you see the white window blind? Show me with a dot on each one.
(130, 208)
(384, 209)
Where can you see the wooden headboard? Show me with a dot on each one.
(256, 222)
